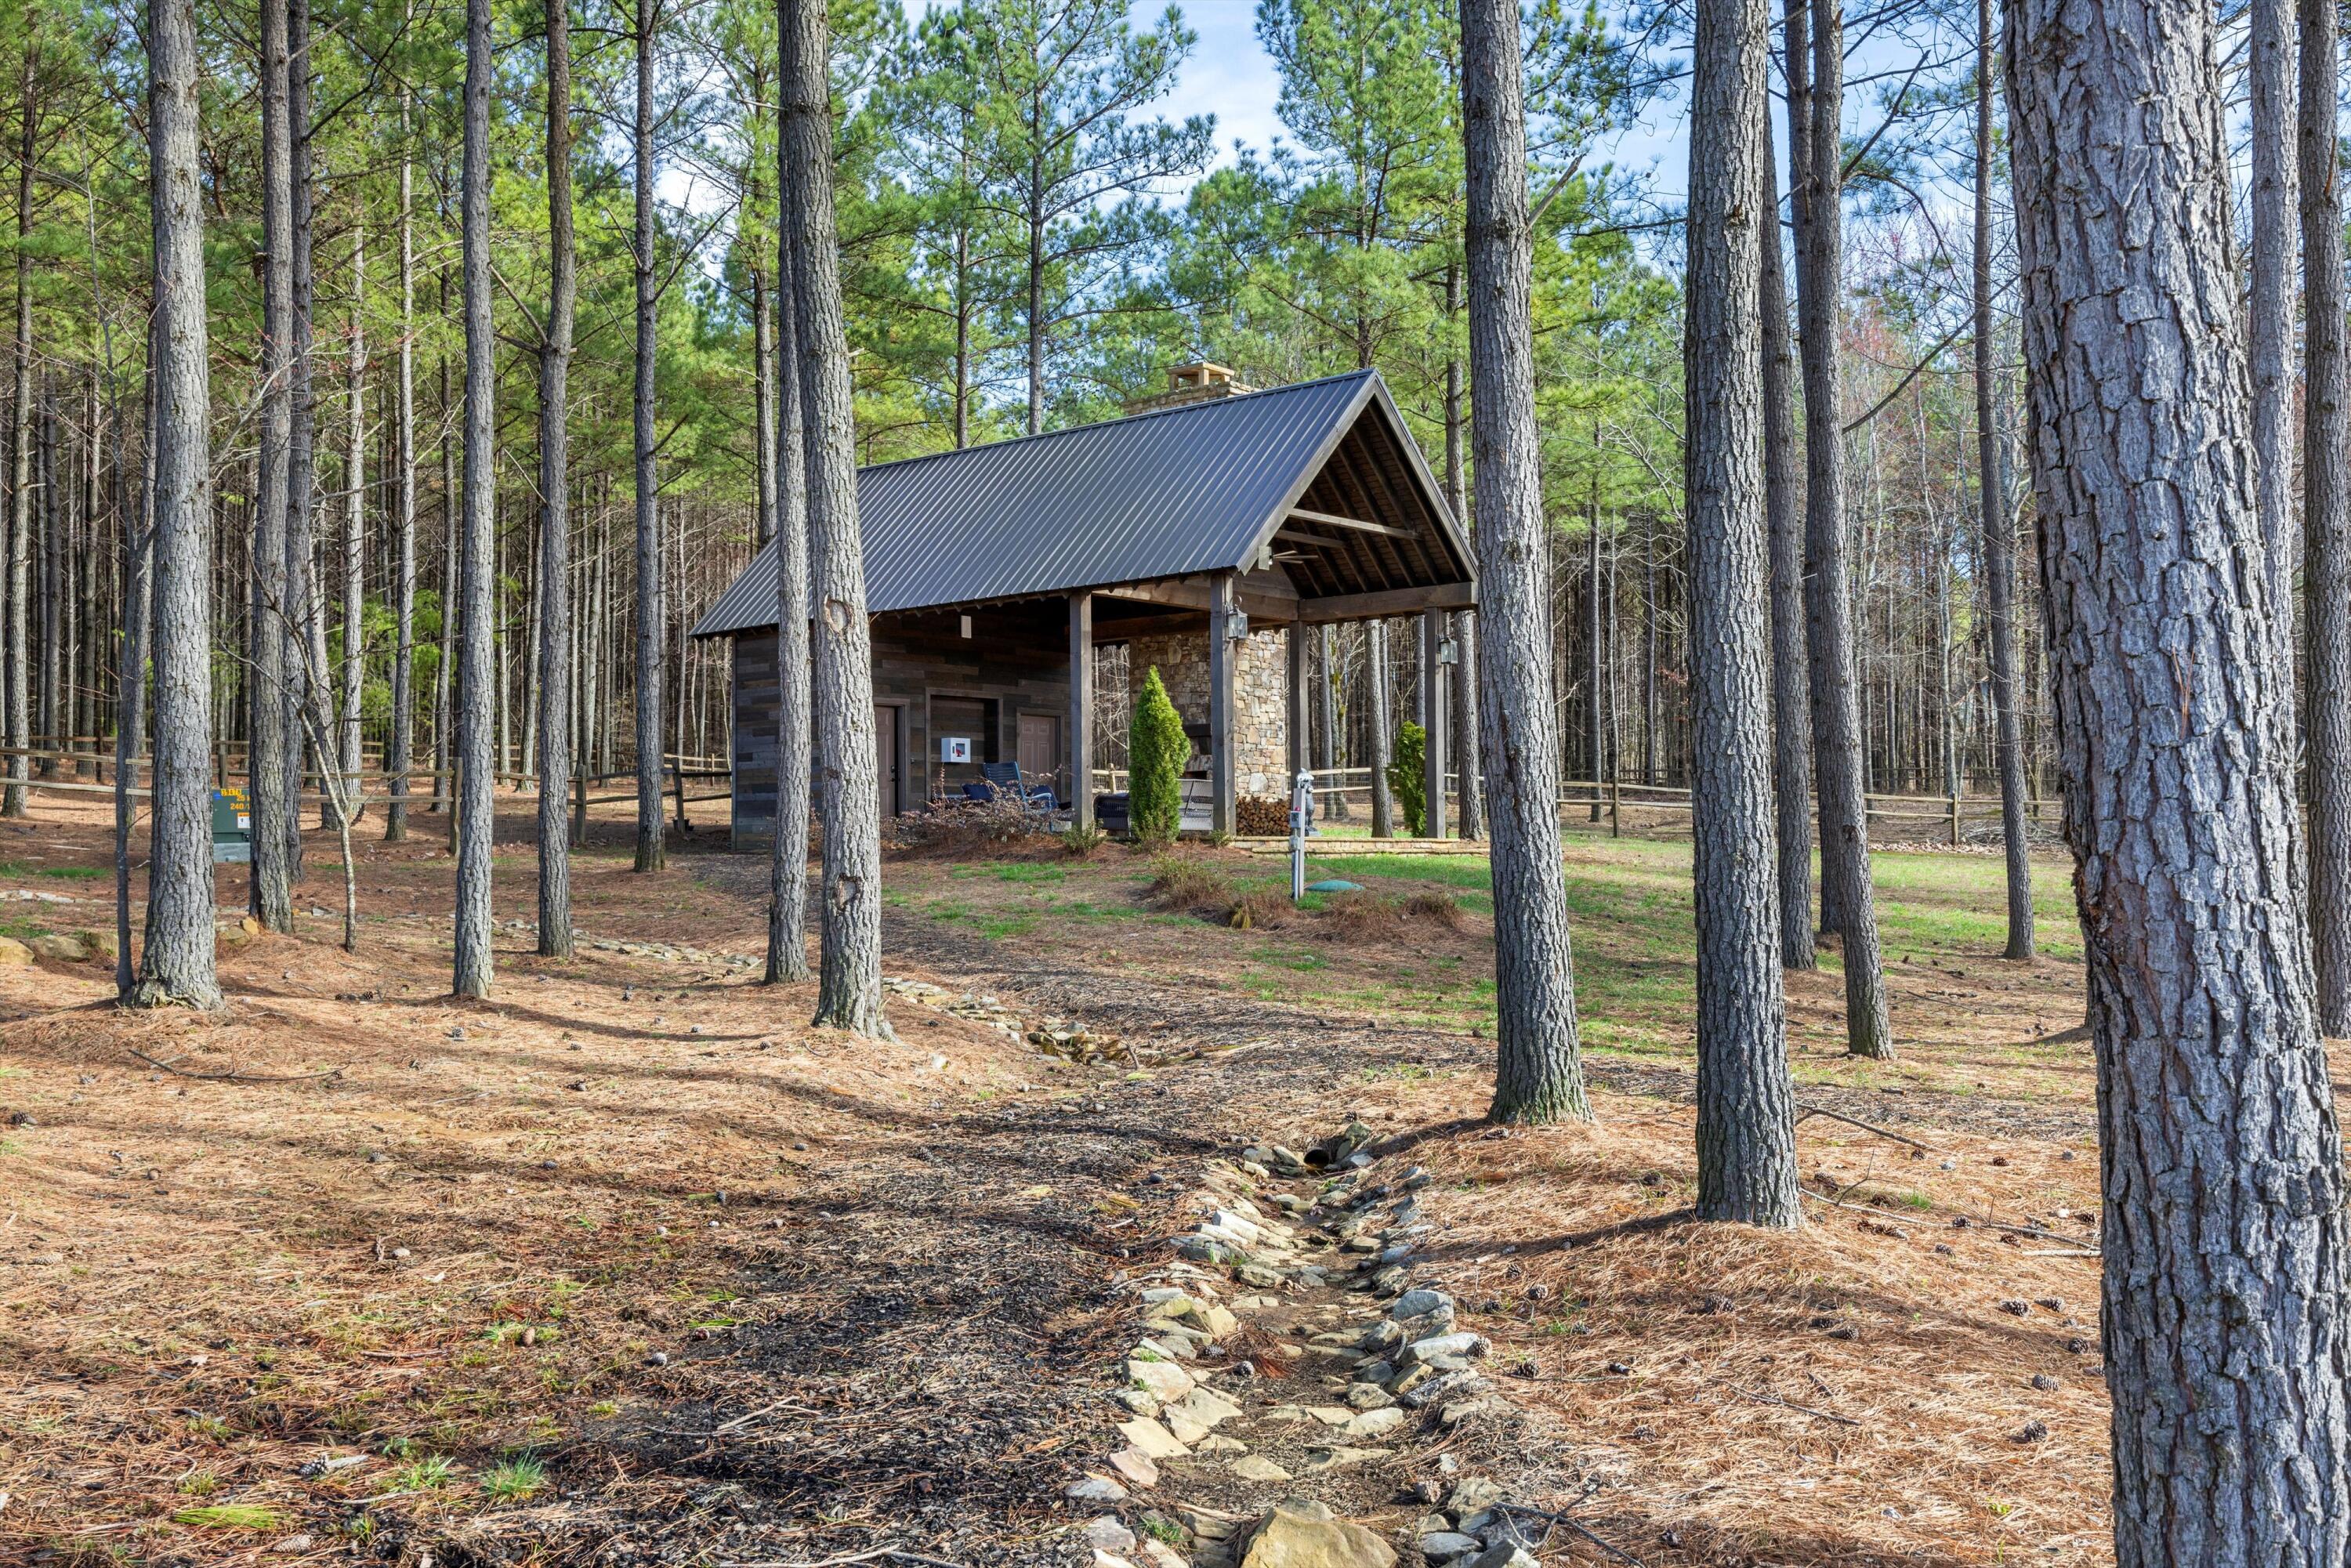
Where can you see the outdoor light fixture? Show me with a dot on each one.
(1237, 626)
(1448, 652)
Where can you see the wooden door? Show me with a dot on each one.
(886, 756)
(1040, 747)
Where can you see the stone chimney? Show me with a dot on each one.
(1195, 382)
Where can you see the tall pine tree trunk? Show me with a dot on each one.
(1539, 1067)
(1791, 720)
(555, 512)
(848, 984)
(1828, 596)
(268, 738)
(20, 445)
(2273, 204)
(355, 523)
(1746, 1105)
(652, 618)
(475, 666)
(1472, 788)
(2326, 521)
(306, 666)
(2221, 1158)
(1999, 529)
(788, 472)
(400, 756)
(177, 963)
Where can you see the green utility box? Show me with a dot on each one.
(231, 828)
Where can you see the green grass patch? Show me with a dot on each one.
(230, 1516)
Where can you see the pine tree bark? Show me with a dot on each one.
(268, 739)
(1999, 529)
(20, 445)
(2224, 1235)
(176, 966)
(475, 666)
(1539, 1069)
(1837, 764)
(400, 753)
(555, 767)
(1791, 720)
(2273, 204)
(1472, 790)
(849, 980)
(1327, 705)
(652, 615)
(787, 855)
(2326, 520)
(305, 623)
(354, 526)
(1746, 1105)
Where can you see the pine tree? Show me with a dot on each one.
(1539, 1067)
(1746, 1105)
(849, 978)
(177, 963)
(555, 765)
(476, 806)
(2224, 1360)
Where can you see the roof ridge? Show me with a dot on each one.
(1193, 407)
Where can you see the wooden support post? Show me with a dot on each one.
(1616, 805)
(1223, 650)
(1433, 682)
(1081, 722)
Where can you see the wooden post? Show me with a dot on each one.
(1955, 818)
(677, 777)
(1432, 722)
(580, 808)
(1222, 648)
(1616, 805)
(1081, 722)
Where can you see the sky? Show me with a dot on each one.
(1231, 75)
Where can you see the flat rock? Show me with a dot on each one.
(1257, 1467)
(14, 954)
(1460, 1344)
(1208, 1408)
(1444, 1545)
(1504, 1554)
(1291, 1536)
(1187, 1431)
(1376, 1423)
(1109, 1535)
(1339, 1456)
(1159, 1554)
(1136, 1467)
(1094, 1489)
(1444, 1388)
(1163, 1379)
(1217, 1444)
(1154, 1440)
(1416, 1303)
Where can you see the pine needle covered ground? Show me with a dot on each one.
(628, 1266)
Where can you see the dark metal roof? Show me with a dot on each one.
(1197, 487)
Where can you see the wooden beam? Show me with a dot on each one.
(1334, 520)
(1295, 720)
(1191, 593)
(1387, 602)
(1081, 722)
(1432, 722)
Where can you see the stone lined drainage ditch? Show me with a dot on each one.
(1288, 1372)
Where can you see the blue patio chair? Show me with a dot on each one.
(1005, 778)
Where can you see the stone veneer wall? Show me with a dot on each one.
(1260, 701)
